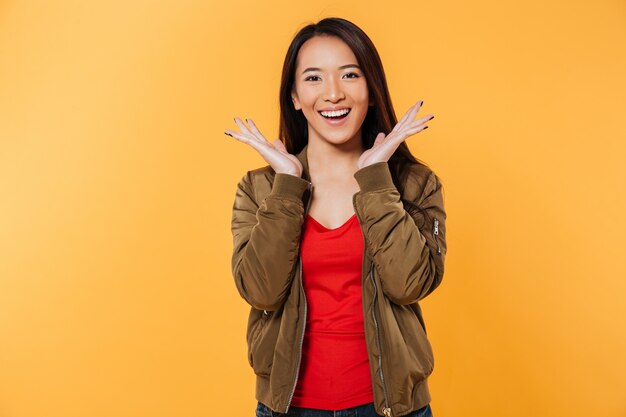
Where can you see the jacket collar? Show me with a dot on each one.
(302, 157)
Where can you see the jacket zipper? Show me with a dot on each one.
(386, 409)
(295, 382)
(436, 233)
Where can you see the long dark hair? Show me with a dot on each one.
(381, 117)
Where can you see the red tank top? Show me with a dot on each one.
(334, 370)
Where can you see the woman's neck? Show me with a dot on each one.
(327, 160)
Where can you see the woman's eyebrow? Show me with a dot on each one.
(341, 67)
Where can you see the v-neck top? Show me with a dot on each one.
(323, 229)
(334, 370)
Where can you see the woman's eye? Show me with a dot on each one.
(309, 78)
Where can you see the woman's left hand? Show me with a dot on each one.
(385, 146)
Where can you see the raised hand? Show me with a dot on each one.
(274, 153)
(385, 146)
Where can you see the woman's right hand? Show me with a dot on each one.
(274, 153)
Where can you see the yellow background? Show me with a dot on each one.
(117, 182)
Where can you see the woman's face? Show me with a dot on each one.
(328, 78)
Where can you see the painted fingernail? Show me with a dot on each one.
(431, 117)
(425, 128)
(228, 134)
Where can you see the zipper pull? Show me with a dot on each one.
(435, 234)
(387, 411)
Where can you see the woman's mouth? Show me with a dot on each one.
(335, 118)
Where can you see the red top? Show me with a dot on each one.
(334, 371)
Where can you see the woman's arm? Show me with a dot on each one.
(409, 260)
(266, 239)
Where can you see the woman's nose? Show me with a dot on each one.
(333, 90)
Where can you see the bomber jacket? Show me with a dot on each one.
(403, 262)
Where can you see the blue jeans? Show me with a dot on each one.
(365, 410)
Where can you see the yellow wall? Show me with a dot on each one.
(116, 185)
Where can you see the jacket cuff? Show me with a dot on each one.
(288, 186)
(374, 177)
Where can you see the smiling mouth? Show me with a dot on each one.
(332, 115)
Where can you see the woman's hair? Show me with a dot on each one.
(293, 129)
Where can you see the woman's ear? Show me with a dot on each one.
(296, 102)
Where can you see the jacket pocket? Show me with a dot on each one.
(261, 341)
(421, 346)
(412, 353)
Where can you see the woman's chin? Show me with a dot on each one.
(340, 138)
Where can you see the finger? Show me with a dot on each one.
(415, 130)
(247, 131)
(242, 126)
(410, 114)
(401, 136)
(237, 135)
(412, 110)
(421, 120)
(278, 144)
(247, 138)
(256, 131)
(379, 138)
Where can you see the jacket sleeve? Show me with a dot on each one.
(266, 239)
(408, 258)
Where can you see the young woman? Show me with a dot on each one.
(337, 240)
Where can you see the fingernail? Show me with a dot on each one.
(425, 128)
(228, 134)
(431, 118)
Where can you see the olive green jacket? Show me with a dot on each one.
(403, 262)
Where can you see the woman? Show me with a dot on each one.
(337, 239)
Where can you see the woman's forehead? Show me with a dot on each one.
(324, 53)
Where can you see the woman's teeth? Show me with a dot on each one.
(335, 114)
